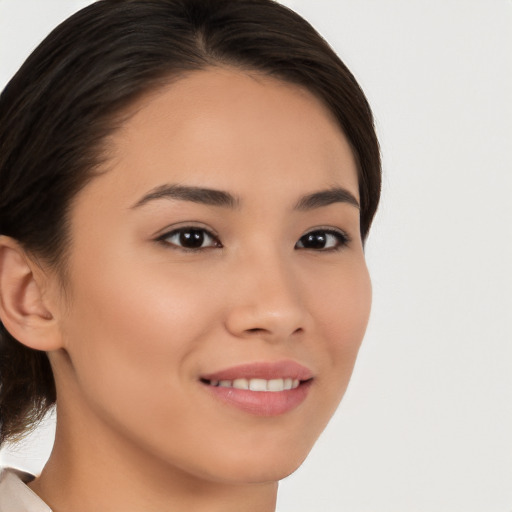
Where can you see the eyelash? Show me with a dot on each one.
(342, 239)
(164, 239)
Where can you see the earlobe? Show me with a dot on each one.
(23, 309)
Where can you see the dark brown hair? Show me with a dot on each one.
(57, 111)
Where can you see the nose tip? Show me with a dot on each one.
(271, 308)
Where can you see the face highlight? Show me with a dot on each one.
(219, 292)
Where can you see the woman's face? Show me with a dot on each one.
(221, 244)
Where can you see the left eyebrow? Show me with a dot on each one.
(325, 198)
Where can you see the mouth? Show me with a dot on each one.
(258, 385)
(262, 389)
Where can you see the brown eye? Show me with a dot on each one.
(322, 239)
(191, 238)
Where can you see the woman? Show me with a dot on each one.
(186, 186)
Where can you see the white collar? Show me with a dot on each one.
(16, 495)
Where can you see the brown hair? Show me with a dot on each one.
(66, 99)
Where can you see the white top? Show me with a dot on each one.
(16, 496)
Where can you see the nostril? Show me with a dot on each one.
(259, 330)
(269, 323)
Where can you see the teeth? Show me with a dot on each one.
(241, 384)
(258, 384)
(275, 385)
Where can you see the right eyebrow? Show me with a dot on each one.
(208, 196)
(325, 198)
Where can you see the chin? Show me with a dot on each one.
(251, 473)
(257, 466)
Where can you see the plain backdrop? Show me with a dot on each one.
(426, 425)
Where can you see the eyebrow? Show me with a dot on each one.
(220, 198)
(325, 198)
(208, 196)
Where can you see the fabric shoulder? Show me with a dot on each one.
(16, 495)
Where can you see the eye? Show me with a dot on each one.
(323, 240)
(190, 238)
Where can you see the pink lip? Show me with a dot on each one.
(262, 403)
(263, 370)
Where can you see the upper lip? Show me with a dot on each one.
(262, 370)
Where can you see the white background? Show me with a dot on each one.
(426, 425)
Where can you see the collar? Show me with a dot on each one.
(16, 495)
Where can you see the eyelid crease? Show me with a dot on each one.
(162, 238)
(329, 229)
(189, 224)
(343, 237)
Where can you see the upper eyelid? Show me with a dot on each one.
(163, 239)
(328, 229)
(190, 228)
(167, 232)
(344, 240)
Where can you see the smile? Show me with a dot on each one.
(261, 388)
(273, 385)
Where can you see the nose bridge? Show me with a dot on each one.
(268, 299)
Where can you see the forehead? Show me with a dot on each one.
(233, 130)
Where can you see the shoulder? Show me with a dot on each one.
(15, 495)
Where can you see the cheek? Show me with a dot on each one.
(131, 335)
(342, 311)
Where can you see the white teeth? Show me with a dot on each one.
(241, 384)
(258, 384)
(275, 385)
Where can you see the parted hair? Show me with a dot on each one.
(71, 93)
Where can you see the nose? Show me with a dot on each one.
(266, 301)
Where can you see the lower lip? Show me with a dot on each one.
(262, 403)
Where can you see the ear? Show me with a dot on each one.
(23, 302)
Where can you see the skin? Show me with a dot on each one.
(142, 319)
